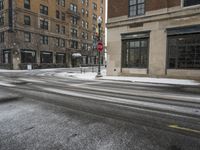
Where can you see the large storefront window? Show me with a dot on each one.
(190, 2)
(46, 57)
(7, 56)
(60, 58)
(135, 53)
(184, 51)
(28, 56)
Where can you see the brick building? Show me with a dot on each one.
(48, 33)
(154, 38)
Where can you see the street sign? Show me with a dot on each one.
(100, 46)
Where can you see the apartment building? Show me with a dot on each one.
(49, 33)
(154, 38)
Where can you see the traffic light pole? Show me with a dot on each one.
(99, 53)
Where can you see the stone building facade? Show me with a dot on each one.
(49, 33)
(154, 38)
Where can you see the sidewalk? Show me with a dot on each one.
(141, 80)
(86, 73)
(151, 80)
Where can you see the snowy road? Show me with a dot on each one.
(107, 114)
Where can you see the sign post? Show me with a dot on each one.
(99, 47)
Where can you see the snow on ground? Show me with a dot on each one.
(6, 84)
(52, 69)
(153, 80)
(5, 70)
(83, 76)
(86, 76)
(92, 76)
(31, 80)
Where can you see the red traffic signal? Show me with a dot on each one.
(100, 46)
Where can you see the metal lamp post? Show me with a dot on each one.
(99, 21)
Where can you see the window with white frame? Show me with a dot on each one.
(73, 8)
(83, 23)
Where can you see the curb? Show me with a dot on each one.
(186, 86)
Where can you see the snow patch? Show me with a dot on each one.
(147, 80)
(32, 80)
(10, 71)
(92, 76)
(6, 84)
(84, 76)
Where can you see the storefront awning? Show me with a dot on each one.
(127, 36)
(184, 30)
(76, 55)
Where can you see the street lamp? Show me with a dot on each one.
(99, 21)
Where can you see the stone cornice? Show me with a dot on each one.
(125, 21)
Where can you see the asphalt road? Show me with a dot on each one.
(40, 111)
